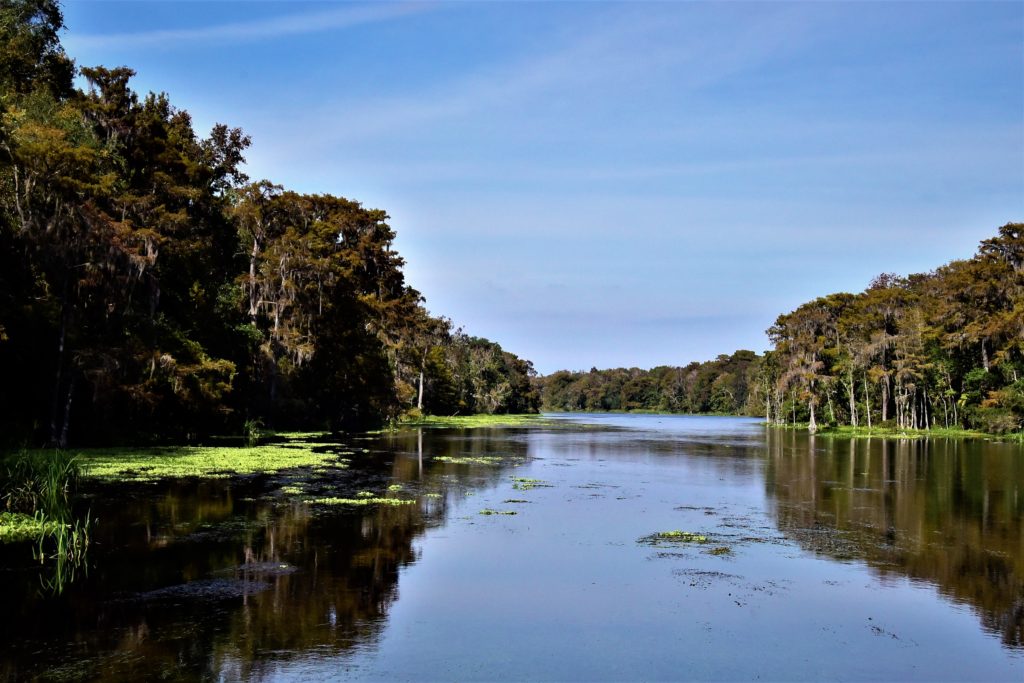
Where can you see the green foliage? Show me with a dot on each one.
(937, 350)
(150, 464)
(723, 386)
(149, 292)
(41, 482)
(17, 527)
(674, 537)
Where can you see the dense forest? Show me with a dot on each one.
(717, 386)
(939, 349)
(149, 290)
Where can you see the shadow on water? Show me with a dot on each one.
(948, 512)
(213, 579)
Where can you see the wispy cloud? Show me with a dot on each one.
(621, 54)
(246, 31)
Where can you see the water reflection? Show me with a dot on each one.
(948, 512)
(240, 580)
(216, 579)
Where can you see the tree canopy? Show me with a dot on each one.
(149, 290)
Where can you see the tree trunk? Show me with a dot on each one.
(853, 400)
(63, 441)
(419, 402)
(55, 407)
(885, 399)
(812, 426)
(252, 279)
(867, 399)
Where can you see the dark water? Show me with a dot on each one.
(824, 559)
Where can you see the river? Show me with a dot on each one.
(792, 558)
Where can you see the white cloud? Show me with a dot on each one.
(246, 31)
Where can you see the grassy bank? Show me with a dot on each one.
(472, 421)
(860, 432)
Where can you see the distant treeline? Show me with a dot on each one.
(149, 290)
(717, 386)
(939, 349)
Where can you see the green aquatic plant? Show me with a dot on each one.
(16, 527)
(469, 421)
(526, 484)
(151, 464)
(366, 494)
(469, 459)
(43, 481)
(395, 487)
(361, 501)
(720, 550)
(252, 430)
(672, 537)
(489, 511)
(516, 500)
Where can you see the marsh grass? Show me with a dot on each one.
(37, 490)
(39, 481)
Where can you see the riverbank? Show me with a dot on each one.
(469, 421)
(860, 432)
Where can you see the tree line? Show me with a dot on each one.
(717, 386)
(148, 289)
(939, 349)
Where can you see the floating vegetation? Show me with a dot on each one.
(720, 550)
(433, 495)
(361, 501)
(395, 487)
(526, 484)
(366, 494)
(16, 527)
(469, 459)
(151, 464)
(672, 538)
(515, 500)
(293, 489)
(489, 511)
(475, 421)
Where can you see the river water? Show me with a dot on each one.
(800, 559)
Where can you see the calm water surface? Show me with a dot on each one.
(824, 559)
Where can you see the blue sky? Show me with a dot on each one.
(605, 184)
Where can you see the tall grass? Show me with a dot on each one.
(40, 482)
(36, 490)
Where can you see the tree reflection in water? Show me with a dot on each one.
(946, 511)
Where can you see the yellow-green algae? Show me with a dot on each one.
(671, 537)
(525, 483)
(469, 459)
(473, 421)
(361, 501)
(150, 464)
(17, 526)
(489, 511)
